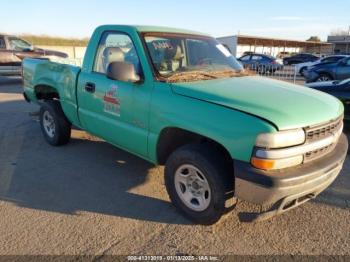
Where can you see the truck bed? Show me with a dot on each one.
(62, 78)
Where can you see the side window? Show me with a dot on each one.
(256, 57)
(2, 43)
(331, 59)
(115, 47)
(18, 44)
(245, 58)
(326, 60)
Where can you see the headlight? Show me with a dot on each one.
(281, 139)
(268, 142)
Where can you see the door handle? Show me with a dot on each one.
(90, 87)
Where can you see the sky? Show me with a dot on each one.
(290, 19)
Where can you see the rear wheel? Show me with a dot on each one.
(197, 181)
(54, 124)
(324, 78)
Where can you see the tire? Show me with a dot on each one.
(207, 166)
(285, 63)
(324, 77)
(54, 124)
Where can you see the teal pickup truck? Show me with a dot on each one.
(178, 98)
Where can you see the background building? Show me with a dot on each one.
(239, 44)
(341, 43)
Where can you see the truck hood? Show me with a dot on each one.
(286, 105)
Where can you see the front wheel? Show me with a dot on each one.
(196, 181)
(54, 124)
(324, 78)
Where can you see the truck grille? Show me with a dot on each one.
(320, 132)
(312, 155)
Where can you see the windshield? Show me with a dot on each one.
(18, 44)
(177, 57)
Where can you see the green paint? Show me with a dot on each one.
(231, 111)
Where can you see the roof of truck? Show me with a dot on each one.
(158, 29)
(166, 29)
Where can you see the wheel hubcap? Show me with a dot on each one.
(323, 78)
(192, 187)
(49, 124)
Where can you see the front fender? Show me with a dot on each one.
(235, 130)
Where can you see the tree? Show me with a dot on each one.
(340, 32)
(314, 39)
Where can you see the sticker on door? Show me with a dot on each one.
(110, 101)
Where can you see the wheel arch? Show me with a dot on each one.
(302, 69)
(171, 138)
(46, 92)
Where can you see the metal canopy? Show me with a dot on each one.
(276, 42)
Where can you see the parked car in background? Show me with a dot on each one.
(13, 50)
(300, 58)
(328, 71)
(282, 55)
(339, 89)
(260, 62)
(302, 67)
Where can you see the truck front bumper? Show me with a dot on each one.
(285, 189)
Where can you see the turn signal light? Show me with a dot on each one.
(269, 164)
(265, 164)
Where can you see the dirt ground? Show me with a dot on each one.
(91, 198)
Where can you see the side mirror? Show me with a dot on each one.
(123, 71)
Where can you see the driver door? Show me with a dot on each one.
(114, 110)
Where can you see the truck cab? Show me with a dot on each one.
(179, 98)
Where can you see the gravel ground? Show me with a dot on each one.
(91, 198)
